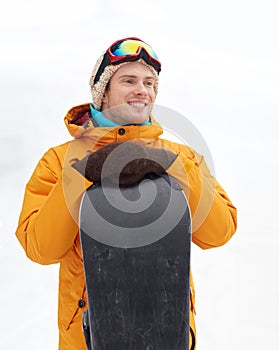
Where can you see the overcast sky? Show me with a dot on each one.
(220, 70)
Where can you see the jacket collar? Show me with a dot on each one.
(79, 124)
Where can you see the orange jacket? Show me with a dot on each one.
(48, 223)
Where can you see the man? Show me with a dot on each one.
(124, 85)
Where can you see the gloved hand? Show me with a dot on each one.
(144, 160)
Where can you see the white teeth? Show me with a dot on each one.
(137, 104)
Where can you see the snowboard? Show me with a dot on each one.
(136, 254)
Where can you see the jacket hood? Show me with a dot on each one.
(79, 124)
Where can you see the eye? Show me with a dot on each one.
(128, 81)
(149, 83)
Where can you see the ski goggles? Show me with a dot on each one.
(128, 50)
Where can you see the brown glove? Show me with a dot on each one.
(107, 162)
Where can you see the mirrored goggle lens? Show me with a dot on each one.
(130, 48)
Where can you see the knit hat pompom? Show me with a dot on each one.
(98, 89)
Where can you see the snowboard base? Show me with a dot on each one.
(137, 287)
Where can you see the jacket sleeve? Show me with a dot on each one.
(214, 217)
(48, 223)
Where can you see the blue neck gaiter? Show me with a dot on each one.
(103, 121)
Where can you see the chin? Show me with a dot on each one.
(138, 121)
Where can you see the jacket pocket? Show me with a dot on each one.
(71, 288)
(78, 305)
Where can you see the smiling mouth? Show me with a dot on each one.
(138, 104)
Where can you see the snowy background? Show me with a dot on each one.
(220, 68)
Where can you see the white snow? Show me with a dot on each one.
(221, 70)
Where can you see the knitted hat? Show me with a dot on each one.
(98, 88)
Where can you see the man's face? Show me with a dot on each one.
(130, 96)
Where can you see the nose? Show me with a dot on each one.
(140, 89)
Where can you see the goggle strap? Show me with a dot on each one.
(105, 62)
(143, 54)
